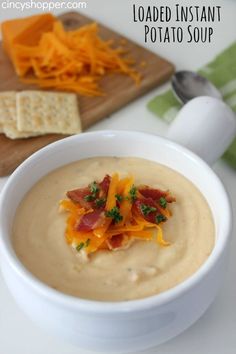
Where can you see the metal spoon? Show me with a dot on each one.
(188, 85)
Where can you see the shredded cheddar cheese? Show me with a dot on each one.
(71, 60)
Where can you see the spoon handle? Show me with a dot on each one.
(206, 126)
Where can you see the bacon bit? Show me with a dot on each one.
(155, 194)
(77, 196)
(91, 221)
(119, 242)
(127, 213)
(104, 185)
(150, 205)
(116, 241)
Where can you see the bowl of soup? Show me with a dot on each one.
(124, 299)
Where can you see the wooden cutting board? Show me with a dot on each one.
(120, 91)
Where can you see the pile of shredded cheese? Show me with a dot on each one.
(114, 212)
(71, 60)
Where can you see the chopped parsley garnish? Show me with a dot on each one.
(146, 209)
(100, 202)
(119, 197)
(114, 213)
(160, 218)
(89, 197)
(132, 194)
(94, 189)
(87, 242)
(82, 245)
(163, 202)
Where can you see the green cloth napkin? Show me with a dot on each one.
(222, 73)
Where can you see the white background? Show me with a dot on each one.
(215, 332)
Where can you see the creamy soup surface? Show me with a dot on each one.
(145, 268)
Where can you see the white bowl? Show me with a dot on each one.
(129, 325)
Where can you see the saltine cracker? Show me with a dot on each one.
(47, 112)
(11, 131)
(7, 106)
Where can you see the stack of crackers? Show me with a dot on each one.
(31, 113)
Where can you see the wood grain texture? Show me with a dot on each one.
(120, 91)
